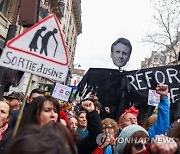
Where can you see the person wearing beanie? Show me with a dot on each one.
(64, 118)
(134, 139)
(126, 136)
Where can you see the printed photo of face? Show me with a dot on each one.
(120, 55)
(121, 52)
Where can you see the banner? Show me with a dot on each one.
(119, 90)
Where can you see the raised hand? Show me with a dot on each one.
(162, 89)
(88, 105)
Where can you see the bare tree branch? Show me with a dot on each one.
(166, 17)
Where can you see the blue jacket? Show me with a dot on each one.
(108, 150)
(163, 118)
(160, 126)
(111, 149)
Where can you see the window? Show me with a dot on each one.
(67, 41)
(64, 29)
(155, 59)
(73, 30)
(43, 12)
(67, 7)
(70, 21)
(4, 5)
(70, 49)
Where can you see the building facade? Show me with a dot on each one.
(68, 13)
(77, 75)
(156, 59)
(171, 56)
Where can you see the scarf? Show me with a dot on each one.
(98, 150)
(2, 130)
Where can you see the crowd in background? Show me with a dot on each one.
(48, 126)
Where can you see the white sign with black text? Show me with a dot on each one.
(39, 50)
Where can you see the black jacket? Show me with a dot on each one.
(88, 144)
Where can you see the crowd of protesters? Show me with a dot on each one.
(48, 126)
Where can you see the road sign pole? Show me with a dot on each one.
(22, 108)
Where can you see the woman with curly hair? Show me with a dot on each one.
(110, 129)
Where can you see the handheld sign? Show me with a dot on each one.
(153, 98)
(39, 50)
(62, 92)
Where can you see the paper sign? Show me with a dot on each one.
(62, 92)
(153, 98)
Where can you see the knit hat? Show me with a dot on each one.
(63, 115)
(126, 133)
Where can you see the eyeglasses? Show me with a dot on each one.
(110, 127)
(138, 146)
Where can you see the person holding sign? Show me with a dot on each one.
(162, 124)
(163, 118)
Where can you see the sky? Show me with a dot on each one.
(103, 22)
